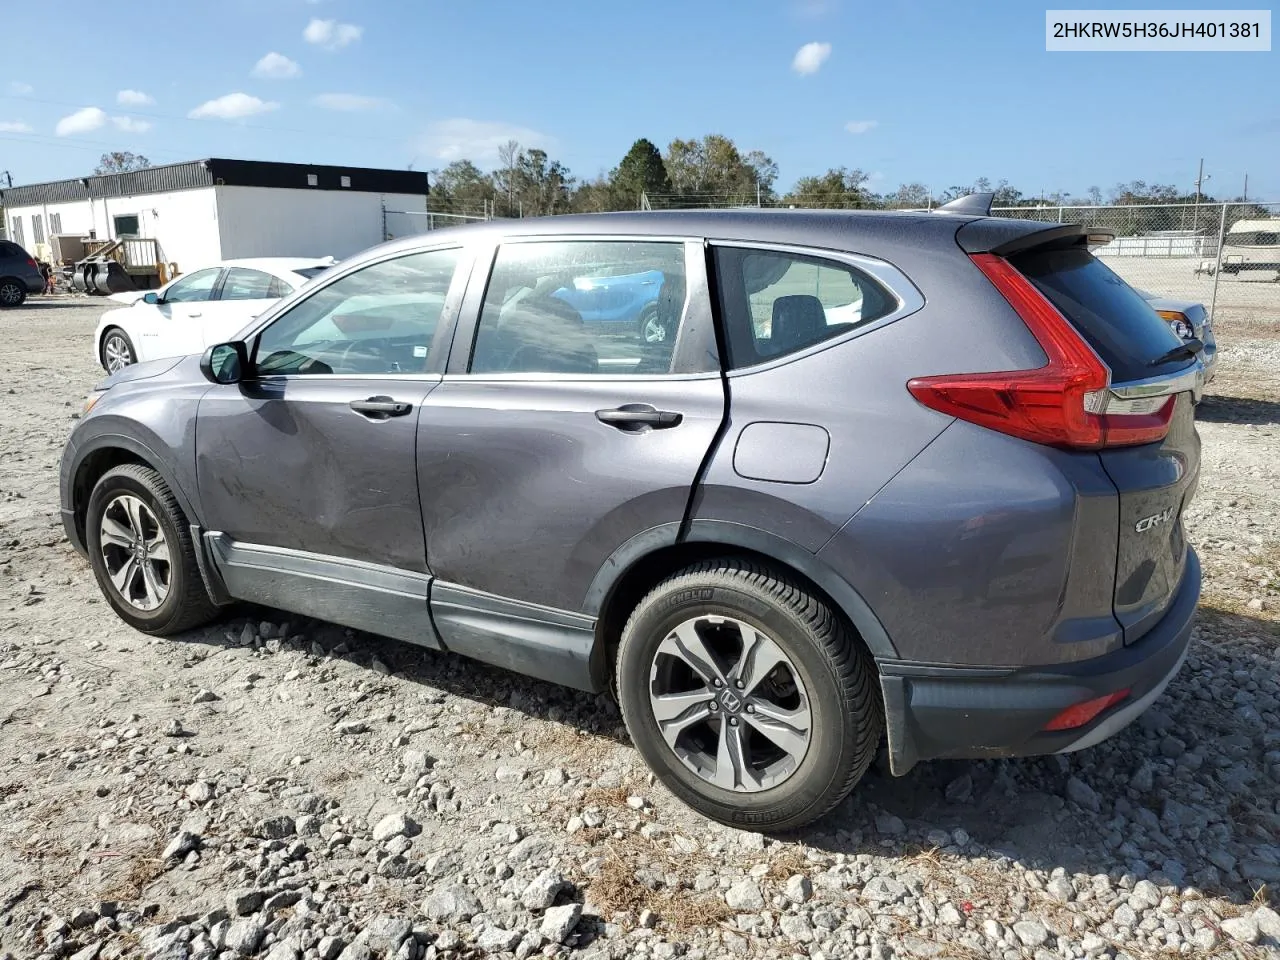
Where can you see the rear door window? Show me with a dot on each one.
(776, 303)
(581, 307)
(1121, 327)
(244, 284)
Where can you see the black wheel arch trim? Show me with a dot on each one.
(759, 541)
(118, 441)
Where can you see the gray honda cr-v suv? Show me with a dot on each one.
(906, 476)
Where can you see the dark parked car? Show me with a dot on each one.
(19, 275)
(1191, 322)
(915, 477)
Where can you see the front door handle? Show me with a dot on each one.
(196, 314)
(380, 408)
(638, 416)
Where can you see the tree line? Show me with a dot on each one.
(714, 171)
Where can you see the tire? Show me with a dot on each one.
(12, 293)
(649, 327)
(125, 495)
(834, 678)
(117, 348)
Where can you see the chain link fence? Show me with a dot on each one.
(1224, 255)
(410, 223)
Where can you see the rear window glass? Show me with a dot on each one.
(1122, 327)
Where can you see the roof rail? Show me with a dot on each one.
(974, 204)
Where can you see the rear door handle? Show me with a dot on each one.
(380, 408)
(637, 416)
(196, 314)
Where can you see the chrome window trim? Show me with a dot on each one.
(333, 377)
(896, 283)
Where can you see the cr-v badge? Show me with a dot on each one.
(1146, 523)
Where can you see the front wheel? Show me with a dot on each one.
(141, 552)
(12, 293)
(117, 350)
(747, 695)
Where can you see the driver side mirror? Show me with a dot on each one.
(151, 297)
(225, 362)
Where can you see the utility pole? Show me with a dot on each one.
(8, 178)
(1195, 213)
(1245, 195)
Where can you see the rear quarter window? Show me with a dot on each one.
(1121, 327)
(774, 303)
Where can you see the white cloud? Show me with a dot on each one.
(810, 58)
(861, 126)
(233, 106)
(276, 66)
(331, 34)
(82, 121)
(17, 88)
(14, 126)
(351, 102)
(131, 124)
(476, 140)
(134, 98)
(813, 9)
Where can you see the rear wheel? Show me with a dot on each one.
(12, 293)
(747, 695)
(652, 329)
(117, 350)
(141, 552)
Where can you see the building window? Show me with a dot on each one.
(17, 231)
(55, 224)
(313, 180)
(37, 228)
(346, 181)
(126, 225)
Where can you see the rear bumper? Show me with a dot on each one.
(938, 712)
(34, 284)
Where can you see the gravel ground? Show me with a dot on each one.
(281, 788)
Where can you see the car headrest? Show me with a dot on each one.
(797, 320)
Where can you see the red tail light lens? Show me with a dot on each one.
(1082, 713)
(31, 262)
(1065, 403)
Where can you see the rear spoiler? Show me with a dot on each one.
(1006, 236)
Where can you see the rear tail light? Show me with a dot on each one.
(31, 262)
(1065, 403)
(1081, 713)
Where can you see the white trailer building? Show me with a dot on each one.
(208, 210)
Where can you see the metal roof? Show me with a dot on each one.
(217, 171)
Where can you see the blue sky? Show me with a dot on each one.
(915, 90)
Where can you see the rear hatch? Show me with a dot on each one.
(1155, 480)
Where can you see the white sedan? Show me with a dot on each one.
(197, 309)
